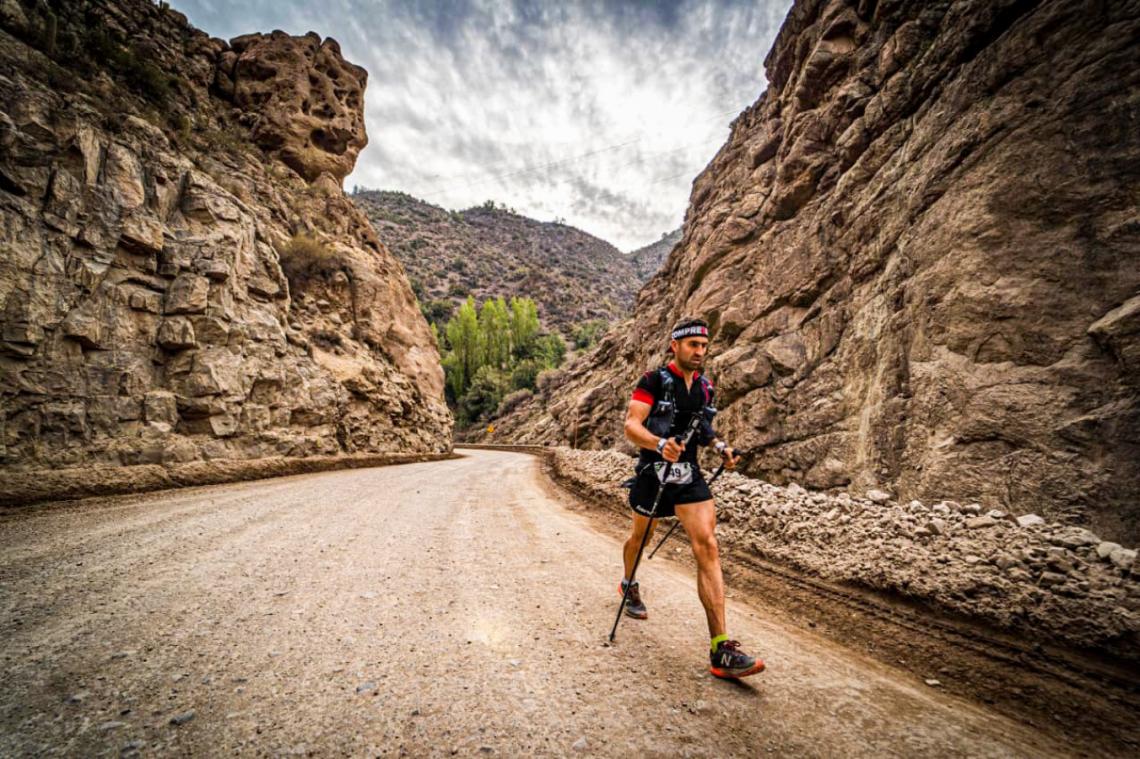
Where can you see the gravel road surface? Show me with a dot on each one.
(457, 607)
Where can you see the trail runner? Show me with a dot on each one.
(662, 406)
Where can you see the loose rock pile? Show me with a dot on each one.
(1018, 572)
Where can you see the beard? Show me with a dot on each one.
(688, 365)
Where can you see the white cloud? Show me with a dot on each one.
(601, 113)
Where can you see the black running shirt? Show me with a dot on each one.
(688, 403)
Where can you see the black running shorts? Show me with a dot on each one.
(644, 490)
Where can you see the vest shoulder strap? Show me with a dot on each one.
(707, 389)
(666, 384)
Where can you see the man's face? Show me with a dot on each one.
(689, 352)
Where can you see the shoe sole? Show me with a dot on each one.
(725, 674)
(629, 612)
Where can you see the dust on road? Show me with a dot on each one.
(451, 608)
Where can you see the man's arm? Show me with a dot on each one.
(636, 433)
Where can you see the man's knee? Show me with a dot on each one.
(640, 525)
(705, 545)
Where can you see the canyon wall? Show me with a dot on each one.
(182, 278)
(918, 251)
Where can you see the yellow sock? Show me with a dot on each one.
(717, 641)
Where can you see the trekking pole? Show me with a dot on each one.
(693, 426)
(719, 471)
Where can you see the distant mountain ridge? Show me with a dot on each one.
(647, 260)
(490, 251)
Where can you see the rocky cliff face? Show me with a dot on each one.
(147, 318)
(918, 251)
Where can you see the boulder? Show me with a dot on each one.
(308, 101)
(160, 406)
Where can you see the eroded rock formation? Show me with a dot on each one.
(304, 102)
(918, 251)
(146, 315)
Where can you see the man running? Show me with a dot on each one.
(660, 410)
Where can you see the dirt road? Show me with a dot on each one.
(454, 607)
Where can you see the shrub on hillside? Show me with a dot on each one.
(547, 380)
(437, 311)
(64, 33)
(513, 401)
(587, 333)
(305, 257)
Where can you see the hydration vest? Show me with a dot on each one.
(664, 409)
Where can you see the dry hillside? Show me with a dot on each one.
(488, 251)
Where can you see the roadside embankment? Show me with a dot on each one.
(20, 488)
(1037, 579)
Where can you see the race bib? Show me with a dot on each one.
(679, 474)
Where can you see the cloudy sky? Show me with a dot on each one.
(600, 113)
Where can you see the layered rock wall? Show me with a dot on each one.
(146, 317)
(918, 252)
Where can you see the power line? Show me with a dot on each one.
(668, 179)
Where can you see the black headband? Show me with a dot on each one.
(695, 329)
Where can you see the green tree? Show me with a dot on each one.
(494, 332)
(524, 326)
(491, 350)
(525, 373)
(483, 397)
(463, 336)
(550, 350)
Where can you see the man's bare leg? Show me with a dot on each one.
(727, 660)
(629, 551)
(699, 520)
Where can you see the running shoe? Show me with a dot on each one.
(729, 662)
(633, 605)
